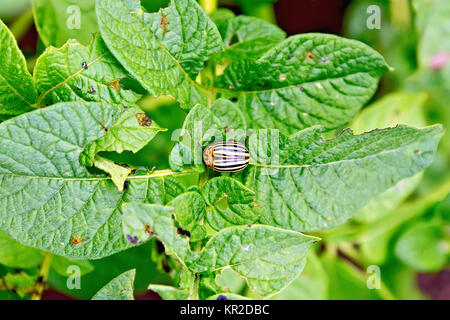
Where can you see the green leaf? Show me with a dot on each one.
(16, 255)
(269, 258)
(249, 38)
(75, 72)
(305, 183)
(200, 128)
(60, 20)
(141, 221)
(423, 248)
(306, 80)
(48, 199)
(189, 210)
(17, 93)
(171, 48)
(120, 288)
(231, 203)
(312, 284)
(62, 264)
(168, 292)
(393, 109)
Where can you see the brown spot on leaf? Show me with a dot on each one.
(164, 24)
(309, 56)
(76, 240)
(115, 84)
(148, 230)
(143, 120)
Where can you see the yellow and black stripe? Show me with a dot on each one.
(226, 156)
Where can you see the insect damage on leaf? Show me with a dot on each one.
(76, 240)
(164, 23)
(143, 120)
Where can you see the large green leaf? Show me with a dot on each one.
(75, 72)
(305, 183)
(164, 51)
(120, 288)
(306, 80)
(17, 93)
(48, 199)
(268, 258)
(60, 20)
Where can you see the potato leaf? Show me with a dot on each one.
(305, 183)
(17, 93)
(164, 51)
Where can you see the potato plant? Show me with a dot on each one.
(73, 192)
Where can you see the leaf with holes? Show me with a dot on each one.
(75, 72)
(306, 80)
(164, 51)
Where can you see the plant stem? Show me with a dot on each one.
(42, 280)
(208, 5)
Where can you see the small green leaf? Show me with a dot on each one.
(305, 183)
(62, 265)
(423, 247)
(78, 73)
(17, 93)
(306, 80)
(45, 190)
(169, 293)
(120, 288)
(189, 210)
(249, 38)
(60, 20)
(118, 173)
(15, 255)
(200, 128)
(231, 203)
(171, 48)
(269, 258)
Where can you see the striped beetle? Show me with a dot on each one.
(226, 156)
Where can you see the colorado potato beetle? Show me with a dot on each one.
(226, 156)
